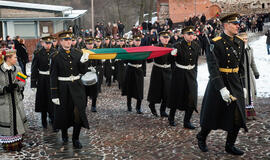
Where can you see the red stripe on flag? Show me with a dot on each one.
(20, 79)
(156, 51)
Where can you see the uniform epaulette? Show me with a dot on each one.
(216, 38)
(37, 51)
(239, 37)
(78, 50)
(54, 54)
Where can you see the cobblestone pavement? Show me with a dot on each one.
(116, 134)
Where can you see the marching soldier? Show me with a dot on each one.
(108, 64)
(223, 104)
(91, 91)
(130, 42)
(183, 93)
(120, 66)
(99, 64)
(67, 91)
(73, 41)
(40, 79)
(114, 74)
(55, 43)
(133, 83)
(160, 78)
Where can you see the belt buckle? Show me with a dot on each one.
(189, 67)
(72, 78)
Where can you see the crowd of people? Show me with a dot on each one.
(61, 95)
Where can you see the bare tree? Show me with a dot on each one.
(118, 8)
(142, 5)
(150, 10)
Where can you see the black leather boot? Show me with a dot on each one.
(153, 109)
(75, 137)
(171, 117)
(201, 137)
(187, 123)
(138, 107)
(231, 138)
(93, 107)
(64, 136)
(163, 110)
(44, 119)
(129, 108)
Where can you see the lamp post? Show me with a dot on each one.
(92, 9)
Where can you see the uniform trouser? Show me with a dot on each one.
(188, 115)
(231, 135)
(44, 118)
(138, 105)
(162, 106)
(76, 127)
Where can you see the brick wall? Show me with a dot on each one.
(30, 45)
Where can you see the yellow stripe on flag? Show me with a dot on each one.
(93, 55)
(22, 75)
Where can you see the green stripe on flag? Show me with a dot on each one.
(133, 56)
(21, 77)
(109, 50)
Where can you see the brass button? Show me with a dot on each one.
(228, 61)
(229, 54)
(224, 42)
(227, 66)
(190, 54)
(190, 59)
(70, 62)
(227, 48)
(189, 48)
(71, 68)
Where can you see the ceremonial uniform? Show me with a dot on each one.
(108, 66)
(68, 92)
(225, 65)
(120, 68)
(92, 90)
(134, 82)
(183, 92)
(40, 79)
(99, 67)
(160, 80)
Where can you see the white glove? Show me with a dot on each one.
(174, 52)
(34, 89)
(92, 69)
(113, 67)
(84, 57)
(56, 101)
(103, 60)
(225, 93)
(245, 92)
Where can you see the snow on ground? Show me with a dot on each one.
(262, 61)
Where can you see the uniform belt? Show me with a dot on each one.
(162, 65)
(70, 78)
(229, 70)
(44, 72)
(135, 65)
(188, 67)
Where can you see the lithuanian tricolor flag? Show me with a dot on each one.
(21, 77)
(133, 53)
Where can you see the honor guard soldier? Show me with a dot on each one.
(99, 64)
(160, 80)
(92, 90)
(130, 42)
(68, 92)
(40, 80)
(55, 43)
(223, 104)
(120, 66)
(183, 92)
(108, 64)
(134, 82)
(73, 41)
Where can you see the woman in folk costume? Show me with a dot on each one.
(251, 73)
(12, 116)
